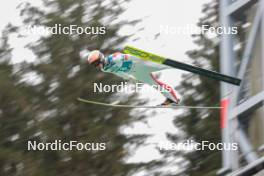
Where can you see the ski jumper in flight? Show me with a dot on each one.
(132, 68)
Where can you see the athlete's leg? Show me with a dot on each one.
(166, 90)
(146, 72)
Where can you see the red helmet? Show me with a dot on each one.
(95, 57)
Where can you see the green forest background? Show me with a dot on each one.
(47, 110)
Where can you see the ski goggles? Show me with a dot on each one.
(96, 63)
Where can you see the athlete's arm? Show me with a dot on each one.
(119, 64)
(117, 58)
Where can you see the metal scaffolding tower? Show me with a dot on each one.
(238, 105)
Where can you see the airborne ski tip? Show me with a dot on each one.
(138, 106)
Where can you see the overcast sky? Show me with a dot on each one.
(154, 14)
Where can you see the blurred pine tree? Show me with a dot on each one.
(46, 109)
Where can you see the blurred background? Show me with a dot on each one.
(42, 75)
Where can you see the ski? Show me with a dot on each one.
(140, 106)
(179, 65)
